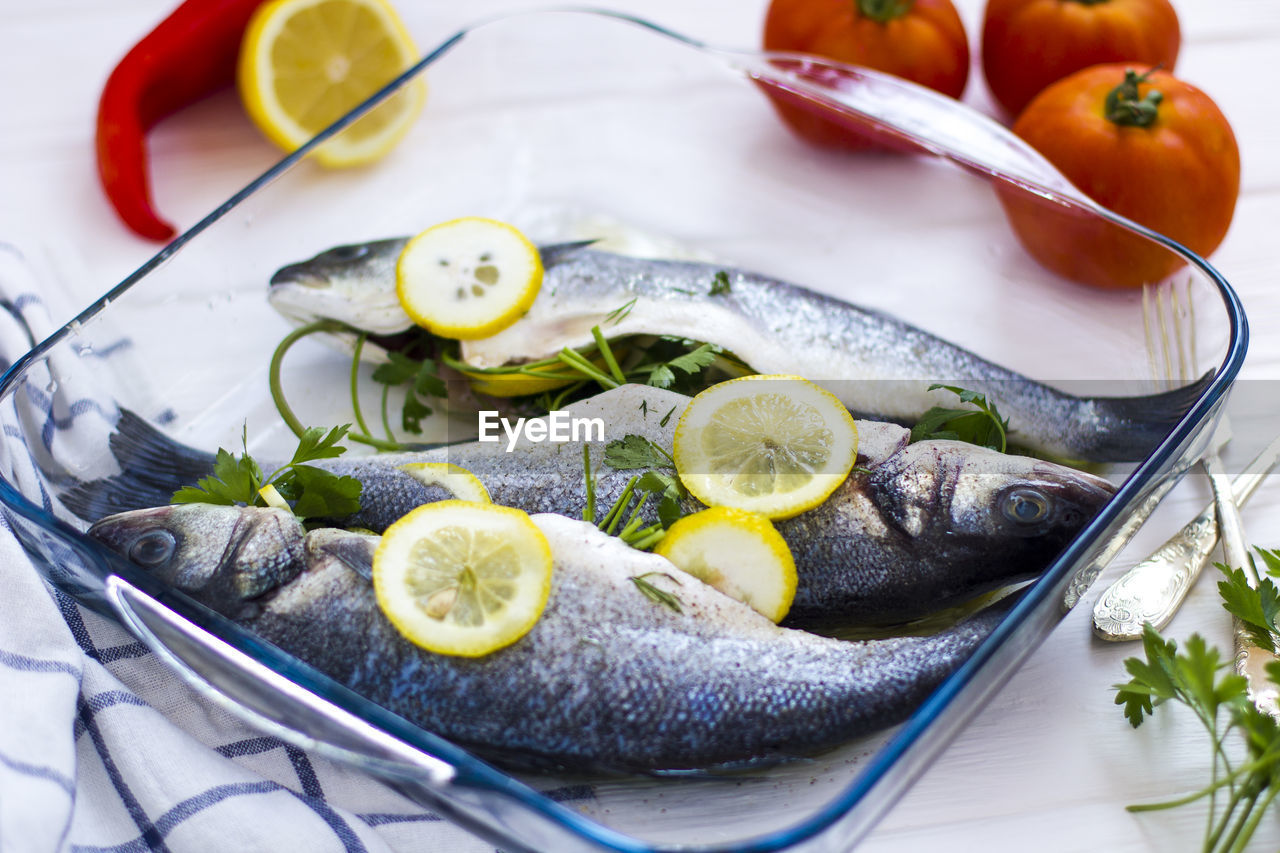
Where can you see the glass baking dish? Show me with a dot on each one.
(563, 122)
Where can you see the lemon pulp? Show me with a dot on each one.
(777, 445)
(462, 578)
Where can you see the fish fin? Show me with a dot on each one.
(152, 467)
(1131, 427)
(153, 457)
(96, 499)
(557, 252)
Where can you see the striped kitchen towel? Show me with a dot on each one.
(102, 748)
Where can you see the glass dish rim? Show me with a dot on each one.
(477, 770)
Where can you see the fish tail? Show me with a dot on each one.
(1129, 428)
(152, 467)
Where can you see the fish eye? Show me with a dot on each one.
(153, 548)
(1025, 506)
(349, 253)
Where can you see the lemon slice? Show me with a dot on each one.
(455, 479)
(468, 278)
(461, 578)
(776, 445)
(305, 63)
(739, 553)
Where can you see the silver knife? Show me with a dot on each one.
(1153, 590)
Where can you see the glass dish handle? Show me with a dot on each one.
(263, 698)
(904, 115)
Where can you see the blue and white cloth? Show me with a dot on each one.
(102, 748)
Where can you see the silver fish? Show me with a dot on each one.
(878, 365)
(915, 528)
(607, 680)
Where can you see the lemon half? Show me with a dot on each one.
(305, 63)
(739, 553)
(468, 278)
(462, 578)
(776, 445)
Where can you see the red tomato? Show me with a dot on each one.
(1170, 163)
(922, 41)
(1028, 44)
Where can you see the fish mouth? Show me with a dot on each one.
(299, 275)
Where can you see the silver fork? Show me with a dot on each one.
(1153, 590)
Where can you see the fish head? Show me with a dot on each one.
(222, 556)
(354, 284)
(988, 513)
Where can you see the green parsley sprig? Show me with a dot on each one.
(310, 491)
(1202, 679)
(981, 425)
(659, 482)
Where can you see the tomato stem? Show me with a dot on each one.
(1124, 106)
(883, 11)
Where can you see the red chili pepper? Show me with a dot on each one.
(191, 54)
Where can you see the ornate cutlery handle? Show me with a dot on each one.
(1153, 590)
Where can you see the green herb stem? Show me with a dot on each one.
(355, 385)
(648, 541)
(634, 520)
(1254, 819)
(579, 363)
(615, 512)
(277, 361)
(386, 419)
(589, 511)
(607, 353)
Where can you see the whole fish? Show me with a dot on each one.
(607, 680)
(915, 528)
(877, 365)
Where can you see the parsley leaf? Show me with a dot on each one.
(313, 492)
(982, 426)
(423, 381)
(319, 494)
(660, 377)
(694, 361)
(317, 444)
(720, 283)
(234, 480)
(636, 451)
(1255, 608)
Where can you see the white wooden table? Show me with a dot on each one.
(1051, 763)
